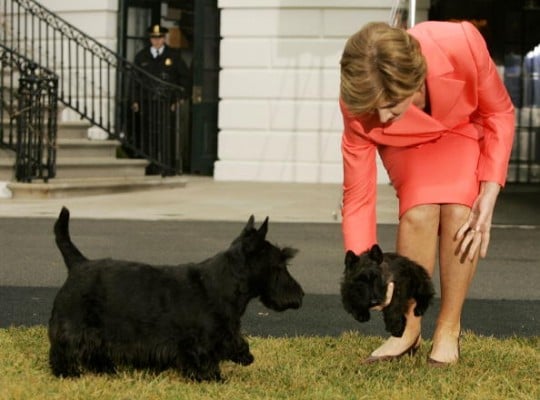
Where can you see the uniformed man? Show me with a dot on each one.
(158, 107)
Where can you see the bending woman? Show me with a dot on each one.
(431, 102)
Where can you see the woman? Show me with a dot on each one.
(431, 102)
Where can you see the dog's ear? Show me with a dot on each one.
(249, 224)
(376, 254)
(252, 239)
(350, 259)
(287, 253)
(263, 230)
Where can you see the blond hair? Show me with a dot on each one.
(380, 65)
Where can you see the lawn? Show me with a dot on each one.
(291, 368)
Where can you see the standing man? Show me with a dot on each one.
(157, 106)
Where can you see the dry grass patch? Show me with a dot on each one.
(290, 368)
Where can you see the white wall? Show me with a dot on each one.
(96, 18)
(279, 118)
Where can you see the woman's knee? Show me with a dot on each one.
(454, 214)
(422, 216)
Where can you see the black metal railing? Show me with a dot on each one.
(99, 85)
(28, 115)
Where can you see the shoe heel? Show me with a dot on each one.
(415, 347)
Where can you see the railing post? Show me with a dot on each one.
(36, 126)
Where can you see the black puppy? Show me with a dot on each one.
(387, 282)
(111, 312)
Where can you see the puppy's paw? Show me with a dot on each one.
(398, 332)
(396, 327)
(419, 311)
(362, 316)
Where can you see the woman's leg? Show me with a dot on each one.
(456, 276)
(417, 239)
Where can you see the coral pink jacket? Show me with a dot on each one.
(467, 97)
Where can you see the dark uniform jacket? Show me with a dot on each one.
(168, 66)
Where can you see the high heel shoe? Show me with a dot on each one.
(411, 351)
(442, 364)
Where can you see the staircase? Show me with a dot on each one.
(85, 167)
(47, 63)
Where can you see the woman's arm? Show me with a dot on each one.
(497, 119)
(359, 225)
(495, 112)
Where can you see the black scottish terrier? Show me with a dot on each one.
(368, 278)
(112, 312)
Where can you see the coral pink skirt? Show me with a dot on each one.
(439, 172)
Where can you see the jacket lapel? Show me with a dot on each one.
(445, 90)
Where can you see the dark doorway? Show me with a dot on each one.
(194, 29)
(508, 26)
(512, 32)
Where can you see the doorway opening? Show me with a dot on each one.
(194, 28)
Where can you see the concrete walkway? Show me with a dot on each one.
(204, 199)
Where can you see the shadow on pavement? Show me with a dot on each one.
(320, 315)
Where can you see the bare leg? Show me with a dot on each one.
(417, 239)
(456, 276)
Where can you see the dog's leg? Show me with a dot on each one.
(210, 372)
(395, 324)
(98, 362)
(205, 371)
(63, 359)
(394, 320)
(422, 304)
(239, 351)
(197, 365)
(423, 297)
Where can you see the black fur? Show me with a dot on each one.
(111, 312)
(365, 281)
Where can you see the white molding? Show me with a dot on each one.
(314, 4)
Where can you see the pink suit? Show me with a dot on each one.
(437, 158)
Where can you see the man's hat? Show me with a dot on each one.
(157, 31)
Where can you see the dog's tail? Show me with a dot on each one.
(69, 251)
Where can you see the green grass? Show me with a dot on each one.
(290, 368)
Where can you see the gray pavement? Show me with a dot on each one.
(192, 223)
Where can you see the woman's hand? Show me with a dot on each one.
(475, 233)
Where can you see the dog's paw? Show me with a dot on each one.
(361, 316)
(396, 327)
(244, 358)
(398, 332)
(419, 311)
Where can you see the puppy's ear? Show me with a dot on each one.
(376, 254)
(350, 259)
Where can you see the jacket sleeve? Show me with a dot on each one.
(495, 112)
(359, 225)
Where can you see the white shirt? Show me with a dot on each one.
(156, 52)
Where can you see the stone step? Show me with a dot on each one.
(73, 130)
(60, 188)
(64, 130)
(99, 167)
(83, 148)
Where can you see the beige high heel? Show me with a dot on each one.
(411, 351)
(442, 364)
